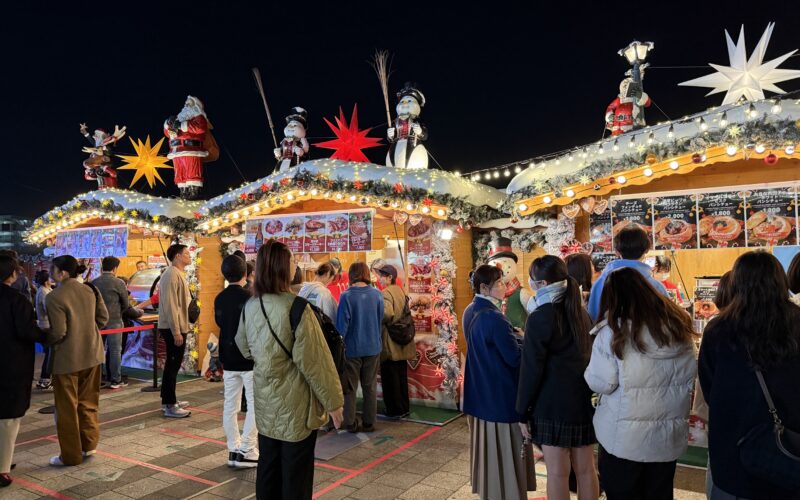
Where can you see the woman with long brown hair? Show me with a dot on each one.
(552, 393)
(643, 367)
(760, 328)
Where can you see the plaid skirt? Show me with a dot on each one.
(560, 434)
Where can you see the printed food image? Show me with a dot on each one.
(273, 227)
(619, 226)
(420, 229)
(673, 231)
(723, 228)
(420, 305)
(295, 226)
(601, 237)
(338, 224)
(704, 309)
(314, 225)
(358, 228)
(420, 271)
(770, 228)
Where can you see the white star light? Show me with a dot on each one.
(747, 78)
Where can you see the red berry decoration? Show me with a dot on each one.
(358, 185)
(771, 159)
(398, 188)
(612, 180)
(264, 188)
(697, 158)
(427, 202)
(243, 196)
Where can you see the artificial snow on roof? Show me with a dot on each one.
(166, 207)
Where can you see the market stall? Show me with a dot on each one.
(418, 220)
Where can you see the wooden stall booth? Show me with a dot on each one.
(133, 227)
(415, 220)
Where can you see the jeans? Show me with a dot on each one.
(234, 383)
(47, 363)
(114, 356)
(171, 367)
(285, 469)
(364, 370)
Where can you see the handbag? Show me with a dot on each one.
(770, 451)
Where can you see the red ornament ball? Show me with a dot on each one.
(771, 159)
(612, 180)
(459, 229)
(697, 158)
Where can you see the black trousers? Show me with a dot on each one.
(394, 381)
(628, 480)
(285, 469)
(47, 363)
(171, 367)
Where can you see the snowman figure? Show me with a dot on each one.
(406, 137)
(514, 305)
(294, 145)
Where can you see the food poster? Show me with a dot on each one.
(675, 225)
(95, 243)
(338, 239)
(600, 231)
(771, 216)
(315, 233)
(721, 219)
(629, 212)
(420, 274)
(601, 260)
(704, 308)
(253, 236)
(360, 231)
(294, 232)
(425, 377)
(271, 229)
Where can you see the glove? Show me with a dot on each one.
(417, 129)
(390, 133)
(277, 153)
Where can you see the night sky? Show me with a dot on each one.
(502, 84)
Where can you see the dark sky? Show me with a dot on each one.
(502, 83)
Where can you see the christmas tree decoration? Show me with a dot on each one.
(294, 144)
(747, 78)
(350, 141)
(407, 134)
(651, 159)
(771, 159)
(191, 144)
(99, 167)
(697, 158)
(145, 162)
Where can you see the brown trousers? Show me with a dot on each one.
(77, 398)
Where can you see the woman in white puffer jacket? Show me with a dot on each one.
(644, 370)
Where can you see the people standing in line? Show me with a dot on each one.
(581, 269)
(631, 244)
(297, 280)
(141, 265)
(317, 291)
(296, 386)
(251, 276)
(359, 319)
(238, 371)
(643, 367)
(553, 394)
(115, 295)
(394, 357)
(18, 335)
(173, 325)
(759, 329)
(501, 457)
(76, 312)
(42, 280)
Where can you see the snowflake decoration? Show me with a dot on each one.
(734, 130)
(585, 180)
(747, 78)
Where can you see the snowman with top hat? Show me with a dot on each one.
(294, 145)
(514, 306)
(407, 134)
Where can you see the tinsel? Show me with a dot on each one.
(558, 232)
(445, 319)
(459, 209)
(191, 354)
(772, 134)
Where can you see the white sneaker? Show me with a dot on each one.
(89, 453)
(175, 411)
(56, 460)
(180, 404)
(246, 460)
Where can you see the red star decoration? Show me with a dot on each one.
(243, 196)
(349, 140)
(285, 181)
(264, 188)
(198, 215)
(358, 185)
(427, 202)
(398, 188)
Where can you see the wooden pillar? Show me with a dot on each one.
(211, 283)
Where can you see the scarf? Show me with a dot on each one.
(552, 293)
(512, 287)
(493, 300)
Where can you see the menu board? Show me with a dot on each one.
(601, 260)
(721, 219)
(420, 274)
(675, 225)
(319, 232)
(93, 243)
(631, 212)
(600, 231)
(771, 217)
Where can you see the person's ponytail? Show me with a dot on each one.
(575, 318)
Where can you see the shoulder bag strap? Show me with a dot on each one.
(768, 397)
(264, 312)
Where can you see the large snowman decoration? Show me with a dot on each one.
(294, 145)
(514, 305)
(407, 135)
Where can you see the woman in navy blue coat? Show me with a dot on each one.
(501, 460)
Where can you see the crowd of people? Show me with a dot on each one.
(606, 362)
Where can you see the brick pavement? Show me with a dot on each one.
(143, 455)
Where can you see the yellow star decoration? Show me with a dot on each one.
(106, 202)
(585, 180)
(146, 162)
(135, 213)
(734, 130)
(156, 218)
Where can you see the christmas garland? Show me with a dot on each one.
(191, 354)
(458, 207)
(444, 314)
(772, 134)
(558, 232)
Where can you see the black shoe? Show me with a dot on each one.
(355, 427)
(5, 480)
(367, 428)
(245, 462)
(232, 456)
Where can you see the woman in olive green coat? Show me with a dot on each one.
(295, 384)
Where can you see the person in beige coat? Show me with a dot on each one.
(76, 312)
(394, 357)
(295, 384)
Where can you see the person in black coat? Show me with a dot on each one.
(552, 394)
(760, 327)
(18, 334)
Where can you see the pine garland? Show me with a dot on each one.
(444, 315)
(191, 355)
(559, 230)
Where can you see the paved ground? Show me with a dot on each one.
(143, 455)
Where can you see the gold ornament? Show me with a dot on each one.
(651, 159)
(146, 162)
(444, 273)
(60, 213)
(134, 213)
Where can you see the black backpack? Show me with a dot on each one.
(332, 337)
(402, 331)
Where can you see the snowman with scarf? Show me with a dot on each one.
(294, 145)
(516, 300)
(407, 134)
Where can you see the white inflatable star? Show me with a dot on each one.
(747, 78)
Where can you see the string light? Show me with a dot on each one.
(776, 108)
(723, 122)
(673, 165)
(671, 131)
(703, 124)
(517, 169)
(760, 148)
(523, 207)
(547, 199)
(632, 142)
(621, 179)
(648, 172)
(615, 147)
(731, 150)
(570, 193)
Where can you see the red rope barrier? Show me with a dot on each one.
(128, 329)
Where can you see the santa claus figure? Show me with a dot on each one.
(406, 137)
(187, 146)
(625, 112)
(294, 145)
(99, 167)
(514, 305)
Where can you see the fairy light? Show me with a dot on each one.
(621, 179)
(671, 131)
(731, 150)
(440, 212)
(507, 173)
(703, 124)
(522, 207)
(789, 150)
(648, 172)
(760, 148)
(410, 207)
(673, 165)
(570, 193)
(425, 210)
(547, 199)
(632, 142)
(723, 122)
(496, 174)
(776, 108)
(517, 169)
(651, 138)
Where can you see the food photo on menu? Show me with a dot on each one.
(675, 225)
(721, 223)
(771, 217)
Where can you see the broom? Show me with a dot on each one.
(257, 75)
(383, 68)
